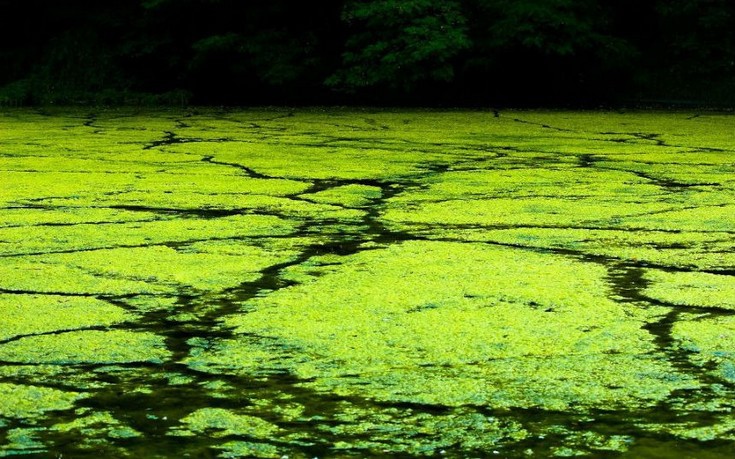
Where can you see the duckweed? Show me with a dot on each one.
(98, 424)
(40, 239)
(37, 314)
(23, 441)
(722, 429)
(34, 275)
(709, 341)
(347, 195)
(701, 250)
(331, 283)
(22, 401)
(233, 449)
(480, 331)
(195, 268)
(113, 346)
(223, 423)
(424, 434)
(692, 289)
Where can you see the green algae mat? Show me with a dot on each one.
(331, 283)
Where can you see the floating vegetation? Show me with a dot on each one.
(481, 332)
(697, 289)
(114, 346)
(25, 315)
(22, 401)
(328, 283)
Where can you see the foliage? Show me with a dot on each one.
(698, 45)
(399, 43)
(144, 52)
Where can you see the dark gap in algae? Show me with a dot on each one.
(171, 138)
(251, 173)
(53, 332)
(34, 292)
(202, 213)
(587, 160)
(63, 224)
(545, 126)
(90, 120)
(651, 137)
(180, 124)
(172, 244)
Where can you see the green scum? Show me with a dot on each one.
(334, 283)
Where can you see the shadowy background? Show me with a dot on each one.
(570, 53)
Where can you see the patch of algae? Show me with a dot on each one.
(484, 326)
(704, 218)
(97, 424)
(528, 196)
(691, 288)
(203, 178)
(195, 267)
(354, 195)
(242, 203)
(509, 211)
(67, 377)
(699, 250)
(722, 429)
(22, 441)
(585, 442)
(34, 275)
(42, 239)
(219, 422)
(249, 449)
(569, 182)
(34, 314)
(401, 431)
(64, 129)
(114, 346)
(317, 161)
(559, 196)
(27, 402)
(709, 341)
(639, 128)
(78, 182)
(700, 177)
(71, 216)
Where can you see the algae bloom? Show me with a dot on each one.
(366, 284)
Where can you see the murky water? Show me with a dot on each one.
(366, 284)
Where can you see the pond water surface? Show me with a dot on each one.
(331, 283)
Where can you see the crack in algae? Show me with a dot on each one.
(8, 291)
(249, 172)
(629, 283)
(543, 125)
(50, 333)
(171, 138)
(171, 243)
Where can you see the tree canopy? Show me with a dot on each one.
(367, 51)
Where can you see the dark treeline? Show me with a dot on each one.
(450, 52)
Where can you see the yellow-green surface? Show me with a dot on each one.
(331, 283)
